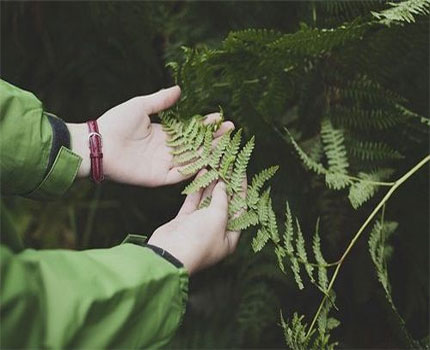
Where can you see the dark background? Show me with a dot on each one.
(82, 58)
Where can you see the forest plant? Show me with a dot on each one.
(192, 148)
(331, 68)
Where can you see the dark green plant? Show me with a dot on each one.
(318, 90)
(192, 147)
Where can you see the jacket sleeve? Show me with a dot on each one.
(125, 297)
(35, 157)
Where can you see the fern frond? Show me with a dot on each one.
(295, 267)
(295, 333)
(322, 270)
(236, 204)
(240, 166)
(243, 221)
(380, 233)
(185, 157)
(301, 252)
(194, 167)
(359, 118)
(260, 240)
(289, 231)
(185, 147)
(371, 151)
(219, 150)
(334, 147)
(207, 144)
(401, 12)
(201, 182)
(205, 202)
(263, 208)
(361, 191)
(308, 162)
(230, 153)
(257, 183)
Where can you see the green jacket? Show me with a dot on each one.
(125, 297)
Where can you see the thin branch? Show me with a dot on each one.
(375, 211)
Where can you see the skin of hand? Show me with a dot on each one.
(199, 237)
(134, 149)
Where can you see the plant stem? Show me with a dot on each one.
(375, 211)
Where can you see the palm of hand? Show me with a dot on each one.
(136, 147)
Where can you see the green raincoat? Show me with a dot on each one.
(125, 297)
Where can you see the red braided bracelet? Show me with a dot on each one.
(96, 155)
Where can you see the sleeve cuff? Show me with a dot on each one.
(60, 176)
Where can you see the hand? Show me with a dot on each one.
(198, 237)
(134, 149)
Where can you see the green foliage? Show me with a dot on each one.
(337, 98)
(227, 161)
(366, 74)
(404, 11)
(297, 337)
(362, 190)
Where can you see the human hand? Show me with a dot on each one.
(134, 149)
(199, 237)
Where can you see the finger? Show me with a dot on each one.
(219, 198)
(211, 118)
(224, 127)
(192, 201)
(161, 100)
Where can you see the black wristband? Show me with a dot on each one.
(166, 255)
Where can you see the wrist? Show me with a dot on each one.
(79, 145)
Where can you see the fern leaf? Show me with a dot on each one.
(237, 203)
(322, 270)
(371, 151)
(295, 267)
(185, 157)
(272, 224)
(219, 150)
(199, 139)
(263, 208)
(334, 147)
(243, 221)
(337, 181)
(205, 202)
(230, 154)
(182, 149)
(260, 240)
(404, 11)
(257, 183)
(307, 161)
(207, 144)
(295, 333)
(201, 182)
(380, 233)
(362, 191)
(240, 166)
(176, 142)
(194, 167)
(289, 231)
(301, 252)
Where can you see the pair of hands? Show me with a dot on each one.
(135, 152)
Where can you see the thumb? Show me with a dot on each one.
(219, 197)
(161, 100)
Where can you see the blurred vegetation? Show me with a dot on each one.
(83, 58)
